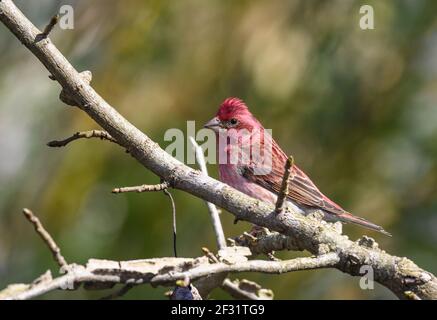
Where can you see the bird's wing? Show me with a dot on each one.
(301, 189)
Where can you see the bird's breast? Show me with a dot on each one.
(233, 175)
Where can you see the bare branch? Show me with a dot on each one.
(213, 212)
(47, 238)
(161, 272)
(103, 135)
(283, 192)
(142, 188)
(246, 290)
(269, 242)
(274, 267)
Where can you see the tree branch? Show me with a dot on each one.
(103, 135)
(283, 192)
(246, 290)
(269, 242)
(398, 274)
(158, 272)
(47, 238)
(142, 188)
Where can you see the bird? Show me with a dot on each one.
(236, 130)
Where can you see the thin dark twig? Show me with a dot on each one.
(283, 192)
(53, 21)
(47, 238)
(103, 135)
(163, 186)
(173, 206)
(142, 188)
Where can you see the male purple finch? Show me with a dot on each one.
(236, 129)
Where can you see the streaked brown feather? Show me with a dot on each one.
(301, 189)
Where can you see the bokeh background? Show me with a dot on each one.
(357, 109)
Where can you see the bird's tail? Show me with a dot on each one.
(347, 217)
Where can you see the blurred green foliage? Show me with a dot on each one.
(357, 109)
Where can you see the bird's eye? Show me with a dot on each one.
(233, 121)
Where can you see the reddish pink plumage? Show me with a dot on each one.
(234, 116)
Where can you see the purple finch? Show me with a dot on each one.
(237, 129)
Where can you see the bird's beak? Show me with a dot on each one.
(213, 124)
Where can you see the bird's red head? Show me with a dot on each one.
(231, 108)
(233, 114)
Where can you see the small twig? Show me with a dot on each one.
(231, 242)
(283, 192)
(103, 135)
(210, 255)
(163, 186)
(53, 21)
(142, 188)
(246, 290)
(271, 256)
(249, 236)
(119, 293)
(173, 207)
(47, 239)
(233, 289)
(213, 212)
